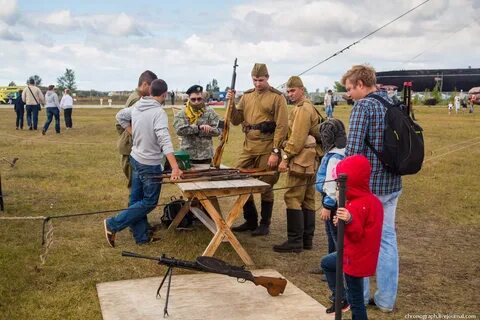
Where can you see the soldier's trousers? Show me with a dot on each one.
(301, 192)
(248, 161)
(127, 169)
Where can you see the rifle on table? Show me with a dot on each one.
(274, 286)
(217, 158)
(220, 177)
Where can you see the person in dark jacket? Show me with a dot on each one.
(363, 216)
(19, 107)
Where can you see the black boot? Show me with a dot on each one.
(266, 213)
(250, 214)
(308, 228)
(294, 231)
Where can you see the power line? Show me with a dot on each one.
(364, 37)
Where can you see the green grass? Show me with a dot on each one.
(79, 171)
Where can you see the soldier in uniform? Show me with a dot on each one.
(262, 112)
(300, 161)
(196, 125)
(124, 143)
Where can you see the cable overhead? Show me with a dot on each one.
(364, 37)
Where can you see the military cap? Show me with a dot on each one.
(194, 89)
(294, 82)
(259, 70)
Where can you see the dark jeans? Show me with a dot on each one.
(52, 112)
(354, 286)
(32, 115)
(19, 121)
(331, 232)
(144, 195)
(67, 114)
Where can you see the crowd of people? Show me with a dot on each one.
(31, 100)
(310, 149)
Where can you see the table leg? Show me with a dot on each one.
(223, 228)
(178, 218)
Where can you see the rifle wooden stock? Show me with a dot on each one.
(274, 286)
(217, 158)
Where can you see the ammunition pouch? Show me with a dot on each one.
(305, 163)
(264, 127)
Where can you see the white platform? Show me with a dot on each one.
(206, 296)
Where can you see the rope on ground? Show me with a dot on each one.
(451, 151)
(48, 241)
(43, 140)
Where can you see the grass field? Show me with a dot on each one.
(79, 171)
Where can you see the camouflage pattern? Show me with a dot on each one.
(198, 144)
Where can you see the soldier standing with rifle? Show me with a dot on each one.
(262, 112)
(300, 161)
(124, 143)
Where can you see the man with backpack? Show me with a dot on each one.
(366, 137)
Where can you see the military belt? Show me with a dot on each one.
(263, 127)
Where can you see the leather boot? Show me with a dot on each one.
(250, 214)
(308, 228)
(294, 231)
(266, 213)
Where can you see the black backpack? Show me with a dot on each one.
(171, 210)
(403, 147)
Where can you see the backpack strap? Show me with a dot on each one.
(387, 105)
(33, 95)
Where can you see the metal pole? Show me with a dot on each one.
(342, 182)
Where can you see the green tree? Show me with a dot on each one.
(12, 84)
(338, 87)
(67, 81)
(36, 78)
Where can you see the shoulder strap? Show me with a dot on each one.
(387, 105)
(322, 119)
(33, 95)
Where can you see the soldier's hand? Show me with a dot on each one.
(230, 94)
(325, 214)
(206, 128)
(283, 167)
(272, 161)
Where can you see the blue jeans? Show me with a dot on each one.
(143, 199)
(52, 112)
(387, 267)
(32, 115)
(329, 111)
(331, 232)
(353, 285)
(19, 121)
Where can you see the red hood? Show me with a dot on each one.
(358, 169)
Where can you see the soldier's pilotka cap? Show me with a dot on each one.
(194, 89)
(294, 82)
(259, 70)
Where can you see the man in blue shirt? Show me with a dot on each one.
(367, 121)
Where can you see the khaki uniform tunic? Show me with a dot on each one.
(301, 192)
(124, 143)
(255, 107)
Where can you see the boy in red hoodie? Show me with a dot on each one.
(363, 216)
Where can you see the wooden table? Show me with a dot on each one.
(207, 192)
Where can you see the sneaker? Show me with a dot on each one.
(109, 235)
(372, 303)
(345, 307)
(262, 230)
(151, 239)
(43, 132)
(30, 128)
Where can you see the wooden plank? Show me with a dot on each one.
(204, 219)
(206, 296)
(178, 218)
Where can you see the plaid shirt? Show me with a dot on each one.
(367, 120)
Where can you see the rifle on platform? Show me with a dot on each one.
(218, 176)
(217, 158)
(274, 286)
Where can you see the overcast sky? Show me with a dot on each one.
(108, 43)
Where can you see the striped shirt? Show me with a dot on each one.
(367, 120)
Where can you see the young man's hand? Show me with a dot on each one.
(176, 174)
(283, 167)
(325, 214)
(342, 214)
